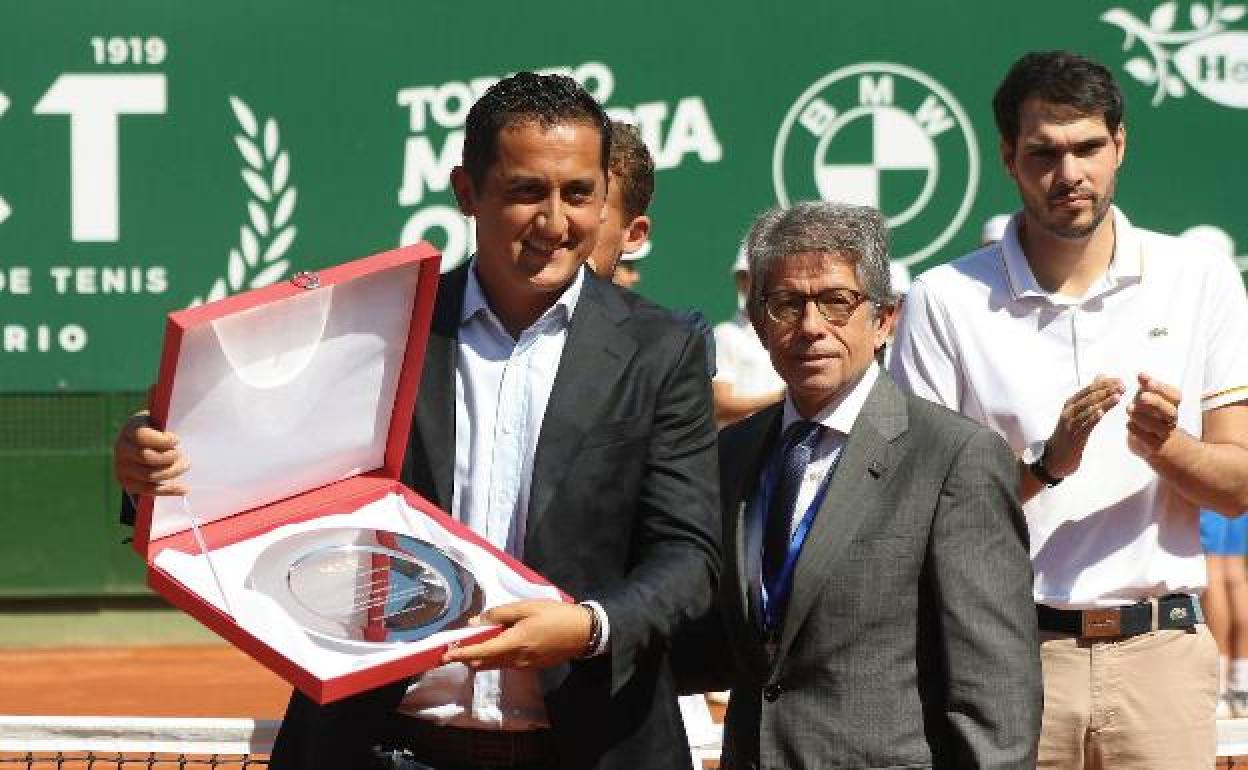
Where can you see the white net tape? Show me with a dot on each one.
(129, 743)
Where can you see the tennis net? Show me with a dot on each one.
(134, 743)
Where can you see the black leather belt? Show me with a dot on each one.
(481, 748)
(1174, 611)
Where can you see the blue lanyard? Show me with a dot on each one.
(775, 597)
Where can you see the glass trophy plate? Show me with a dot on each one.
(367, 586)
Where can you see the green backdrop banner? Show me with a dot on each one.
(155, 154)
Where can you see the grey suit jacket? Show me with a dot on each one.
(910, 638)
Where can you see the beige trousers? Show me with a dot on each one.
(1142, 703)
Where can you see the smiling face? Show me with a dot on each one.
(1065, 165)
(537, 211)
(816, 358)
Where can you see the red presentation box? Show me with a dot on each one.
(293, 403)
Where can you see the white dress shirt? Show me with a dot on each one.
(838, 418)
(502, 386)
(982, 337)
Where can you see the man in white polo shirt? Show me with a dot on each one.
(1113, 361)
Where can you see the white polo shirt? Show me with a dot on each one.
(980, 336)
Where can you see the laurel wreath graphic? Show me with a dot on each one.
(266, 236)
(5, 211)
(1160, 38)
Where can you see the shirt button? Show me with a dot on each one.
(772, 693)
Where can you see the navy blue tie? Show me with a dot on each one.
(799, 445)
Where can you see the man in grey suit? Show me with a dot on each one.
(876, 590)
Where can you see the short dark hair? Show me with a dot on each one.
(526, 96)
(633, 167)
(1058, 77)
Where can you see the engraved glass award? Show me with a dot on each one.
(367, 586)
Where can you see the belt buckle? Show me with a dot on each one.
(1101, 622)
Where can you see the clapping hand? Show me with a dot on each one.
(1152, 416)
(1080, 414)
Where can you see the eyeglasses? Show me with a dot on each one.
(834, 305)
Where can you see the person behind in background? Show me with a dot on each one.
(875, 610)
(1112, 359)
(745, 380)
(624, 236)
(1225, 541)
(625, 226)
(569, 423)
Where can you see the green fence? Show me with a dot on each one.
(59, 499)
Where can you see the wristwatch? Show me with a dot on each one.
(1033, 458)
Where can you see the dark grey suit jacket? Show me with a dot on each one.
(622, 510)
(910, 638)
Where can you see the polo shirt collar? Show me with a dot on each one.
(1128, 261)
(1125, 265)
(475, 302)
(842, 412)
(1018, 273)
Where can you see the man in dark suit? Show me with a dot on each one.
(565, 421)
(876, 596)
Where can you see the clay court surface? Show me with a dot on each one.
(174, 681)
(181, 681)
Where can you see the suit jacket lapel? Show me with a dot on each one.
(744, 532)
(595, 355)
(850, 498)
(435, 410)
